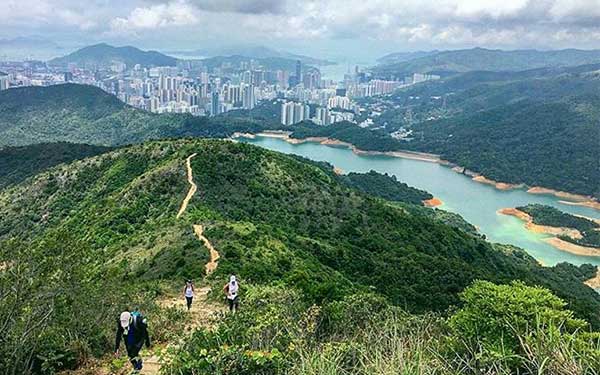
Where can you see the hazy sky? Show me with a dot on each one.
(328, 28)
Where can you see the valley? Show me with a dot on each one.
(477, 203)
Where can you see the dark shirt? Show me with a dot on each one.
(136, 335)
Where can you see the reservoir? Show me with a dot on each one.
(476, 202)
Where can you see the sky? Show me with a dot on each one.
(334, 29)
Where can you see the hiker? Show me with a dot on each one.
(231, 290)
(188, 292)
(133, 328)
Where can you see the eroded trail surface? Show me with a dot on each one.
(214, 254)
(203, 313)
(193, 187)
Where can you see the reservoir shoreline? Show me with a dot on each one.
(568, 198)
(554, 231)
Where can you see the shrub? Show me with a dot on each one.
(498, 322)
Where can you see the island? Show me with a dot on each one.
(575, 234)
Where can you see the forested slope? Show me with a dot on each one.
(18, 163)
(86, 114)
(109, 221)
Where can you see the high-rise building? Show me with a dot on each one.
(292, 113)
(154, 104)
(248, 99)
(342, 102)
(298, 71)
(312, 79)
(234, 95)
(322, 116)
(3, 81)
(214, 104)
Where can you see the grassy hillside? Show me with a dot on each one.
(86, 114)
(19, 163)
(109, 221)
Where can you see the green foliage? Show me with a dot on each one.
(363, 139)
(385, 186)
(19, 163)
(496, 317)
(510, 126)
(550, 216)
(275, 333)
(86, 114)
(256, 340)
(492, 142)
(101, 224)
(547, 215)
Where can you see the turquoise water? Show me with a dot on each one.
(477, 203)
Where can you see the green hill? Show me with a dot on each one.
(103, 55)
(96, 234)
(19, 163)
(87, 114)
(510, 126)
(488, 60)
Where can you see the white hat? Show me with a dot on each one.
(125, 316)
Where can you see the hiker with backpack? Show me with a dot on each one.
(132, 327)
(188, 293)
(231, 291)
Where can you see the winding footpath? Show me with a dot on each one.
(202, 312)
(193, 186)
(198, 229)
(214, 254)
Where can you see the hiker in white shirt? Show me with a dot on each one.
(231, 291)
(188, 292)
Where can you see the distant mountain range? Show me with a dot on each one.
(256, 52)
(103, 55)
(28, 47)
(481, 59)
(514, 126)
(24, 42)
(398, 57)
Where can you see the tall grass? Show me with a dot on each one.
(397, 345)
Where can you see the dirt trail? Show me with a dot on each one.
(214, 254)
(193, 187)
(202, 314)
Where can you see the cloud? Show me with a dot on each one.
(158, 16)
(240, 6)
(394, 24)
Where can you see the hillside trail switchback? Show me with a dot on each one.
(202, 314)
(193, 186)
